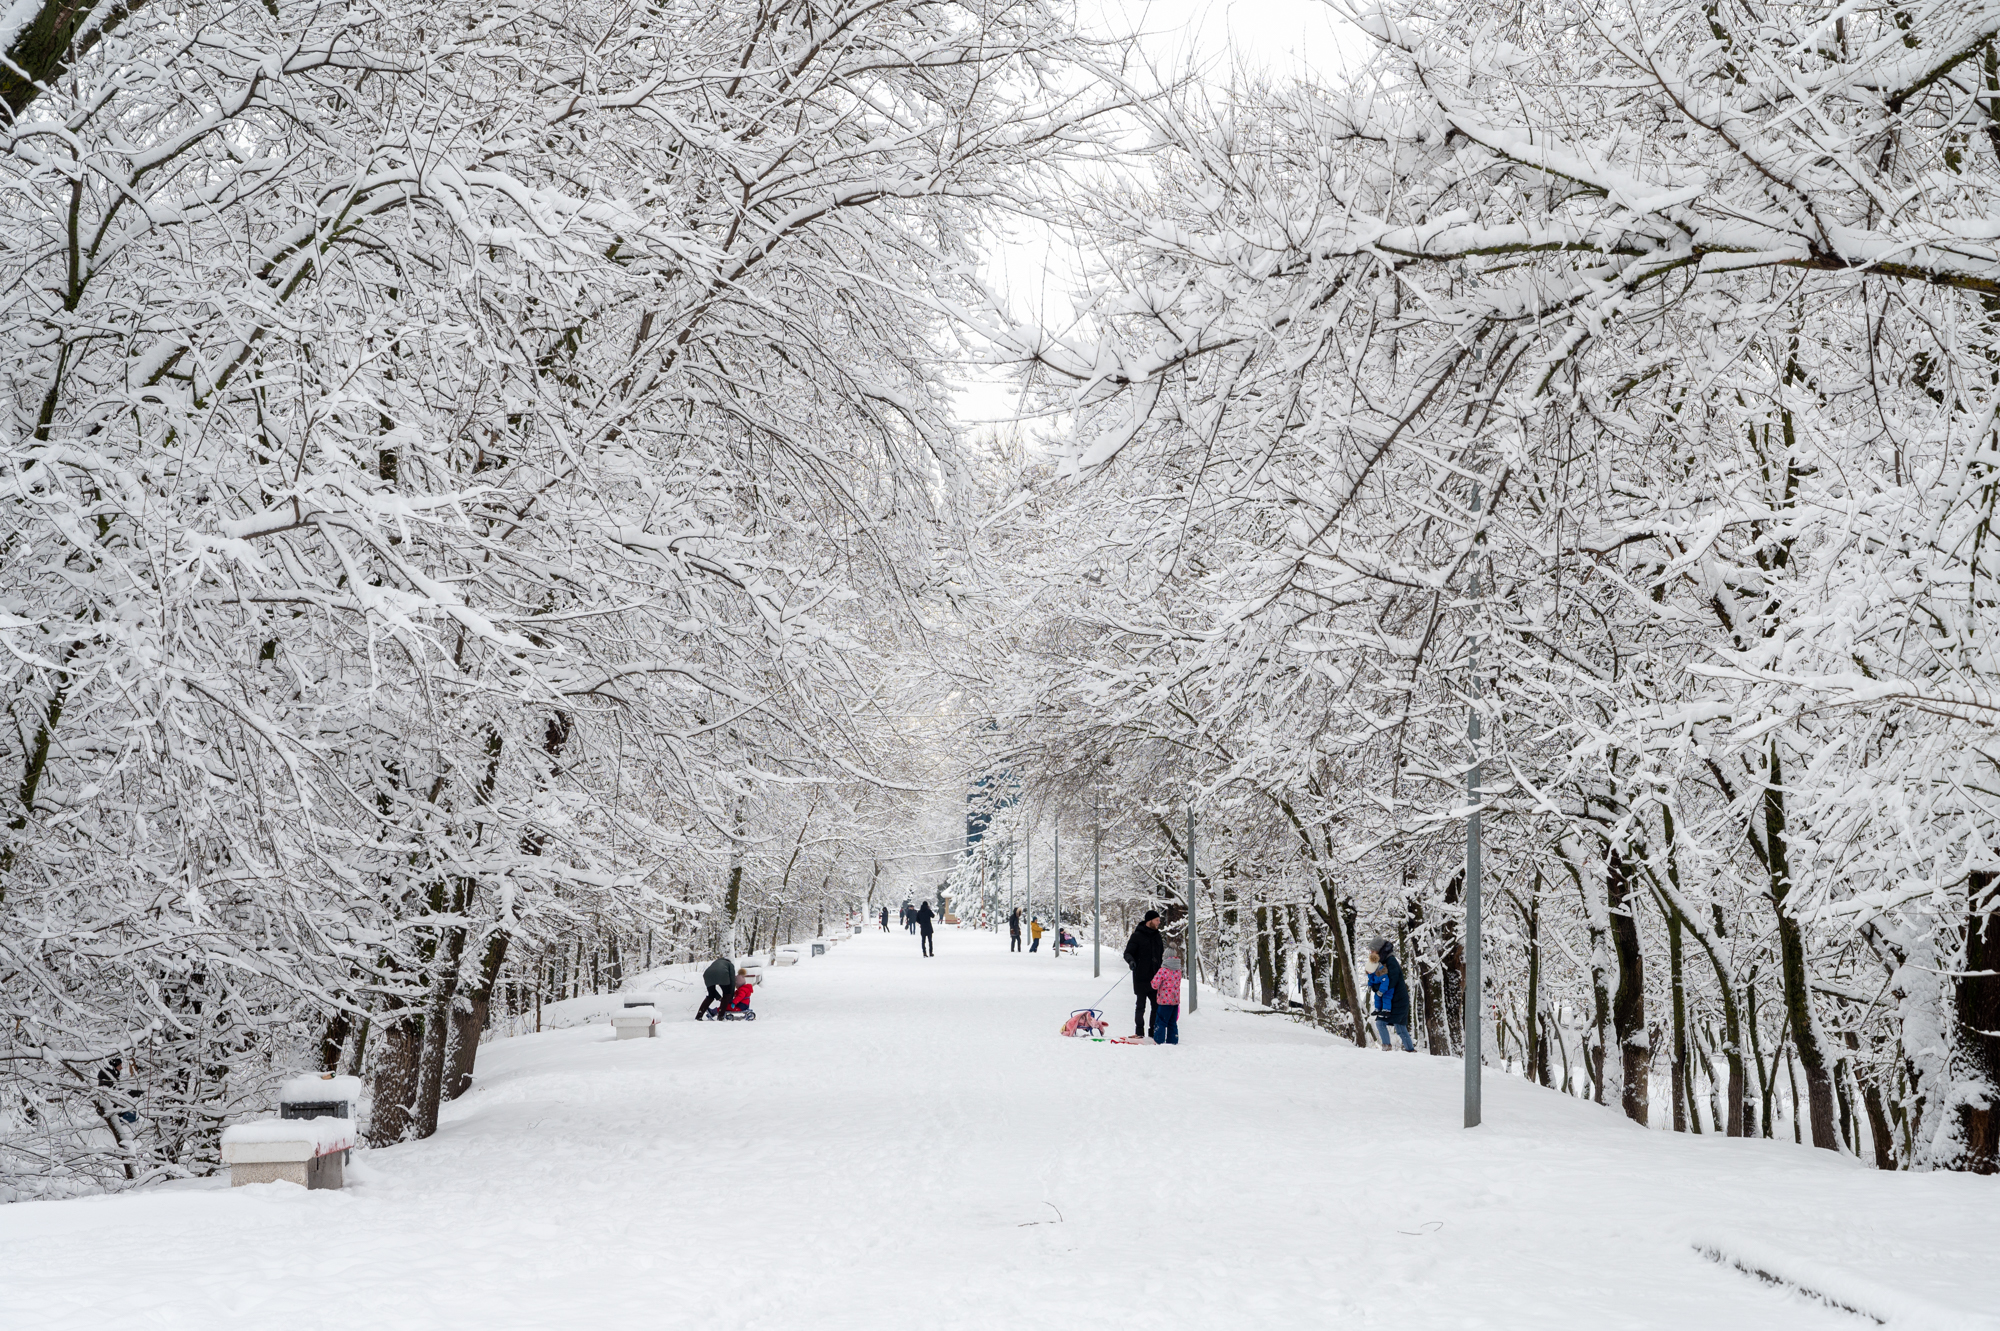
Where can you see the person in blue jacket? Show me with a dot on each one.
(1391, 997)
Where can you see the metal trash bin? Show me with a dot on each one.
(323, 1096)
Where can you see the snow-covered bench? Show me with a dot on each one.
(634, 1025)
(310, 1152)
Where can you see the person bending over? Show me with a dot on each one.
(720, 977)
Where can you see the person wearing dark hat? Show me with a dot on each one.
(1391, 996)
(1143, 955)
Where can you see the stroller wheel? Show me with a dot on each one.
(748, 1015)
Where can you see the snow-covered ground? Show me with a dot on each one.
(905, 1143)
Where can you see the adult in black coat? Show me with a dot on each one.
(1014, 931)
(885, 919)
(720, 977)
(1143, 954)
(924, 918)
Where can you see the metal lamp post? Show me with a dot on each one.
(1473, 1001)
(1193, 918)
(1096, 891)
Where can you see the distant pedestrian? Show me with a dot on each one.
(1391, 996)
(720, 977)
(885, 919)
(924, 918)
(1035, 935)
(1167, 1008)
(1014, 931)
(1143, 954)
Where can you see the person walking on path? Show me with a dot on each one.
(1014, 930)
(1167, 1001)
(720, 977)
(924, 918)
(885, 919)
(1034, 935)
(1143, 954)
(1391, 995)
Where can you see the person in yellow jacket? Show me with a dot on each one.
(1034, 934)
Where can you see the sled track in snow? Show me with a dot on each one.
(1769, 1277)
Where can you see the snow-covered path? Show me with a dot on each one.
(906, 1143)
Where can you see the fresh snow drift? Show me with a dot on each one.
(908, 1143)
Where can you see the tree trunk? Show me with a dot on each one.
(1792, 955)
(48, 38)
(1452, 966)
(1732, 1031)
(1537, 1044)
(1975, 995)
(1597, 1038)
(333, 1039)
(1683, 1081)
(1628, 1005)
(1871, 1104)
(1267, 980)
(1850, 1128)
(469, 1020)
(1430, 980)
(438, 1023)
(352, 1059)
(1764, 1076)
(1343, 976)
(1315, 936)
(393, 1079)
(1562, 1047)
(732, 897)
(1333, 913)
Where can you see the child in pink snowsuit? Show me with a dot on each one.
(1167, 1010)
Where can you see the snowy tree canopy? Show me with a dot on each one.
(487, 512)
